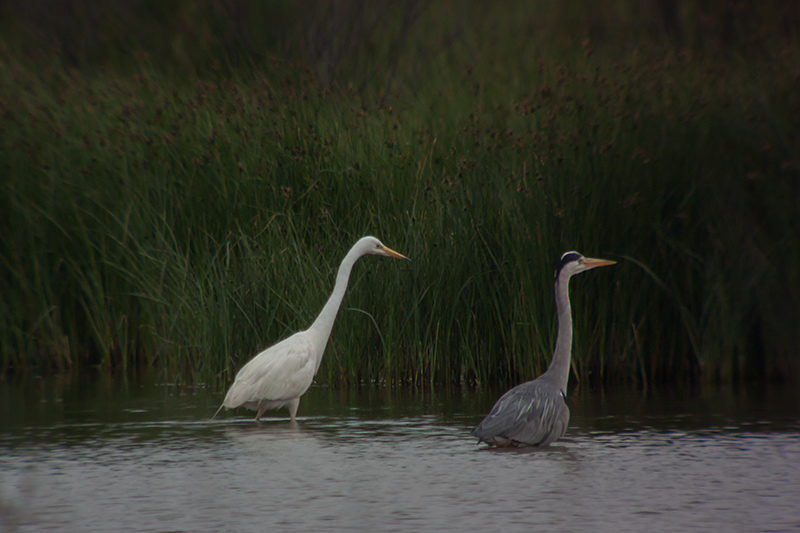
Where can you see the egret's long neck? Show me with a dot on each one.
(559, 366)
(323, 324)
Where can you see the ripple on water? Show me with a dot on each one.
(361, 471)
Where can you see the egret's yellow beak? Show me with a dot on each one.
(591, 262)
(391, 253)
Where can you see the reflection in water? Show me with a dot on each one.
(151, 459)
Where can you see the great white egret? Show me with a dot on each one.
(281, 374)
(535, 413)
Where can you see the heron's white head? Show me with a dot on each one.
(371, 245)
(572, 263)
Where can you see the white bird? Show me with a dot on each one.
(535, 413)
(281, 374)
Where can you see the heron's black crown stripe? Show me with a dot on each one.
(567, 258)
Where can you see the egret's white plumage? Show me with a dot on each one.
(535, 413)
(281, 374)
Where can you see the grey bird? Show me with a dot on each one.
(535, 413)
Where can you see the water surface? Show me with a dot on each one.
(107, 455)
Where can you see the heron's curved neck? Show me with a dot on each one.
(560, 365)
(323, 324)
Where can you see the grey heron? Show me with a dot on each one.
(535, 413)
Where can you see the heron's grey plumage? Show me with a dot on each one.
(535, 413)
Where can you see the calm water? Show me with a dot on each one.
(122, 456)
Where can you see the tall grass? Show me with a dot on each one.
(185, 221)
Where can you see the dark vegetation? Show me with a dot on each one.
(179, 181)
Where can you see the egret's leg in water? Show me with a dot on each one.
(293, 405)
(262, 407)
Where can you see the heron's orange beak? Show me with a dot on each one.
(591, 262)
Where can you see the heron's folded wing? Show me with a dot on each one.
(531, 413)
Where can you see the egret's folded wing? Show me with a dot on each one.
(281, 372)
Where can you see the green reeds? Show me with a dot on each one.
(186, 222)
